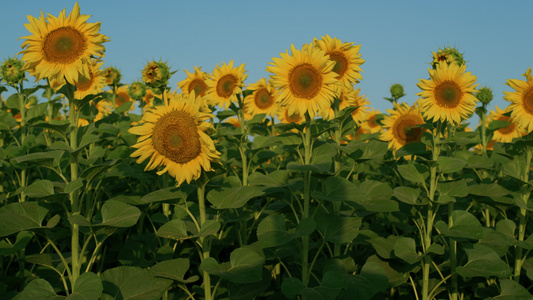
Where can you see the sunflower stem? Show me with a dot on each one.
(22, 108)
(525, 193)
(453, 256)
(427, 261)
(200, 191)
(338, 132)
(74, 201)
(307, 200)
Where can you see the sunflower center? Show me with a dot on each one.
(341, 64)
(407, 132)
(84, 83)
(64, 45)
(198, 86)
(305, 81)
(263, 99)
(225, 85)
(294, 118)
(507, 129)
(448, 94)
(528, 101)
(122, 97)
(176, 137)
(372, 121)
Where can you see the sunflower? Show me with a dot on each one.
(400, 125)
(149, 97)
(521, 100)
(370, 121)
(225, 83)
(61, 47)
(91, 85)
(104, 108)
(349, 97)
(194, 82)
(346, 56)
(508, 133)
(262, 100)
(123, 96)
(174, 137)
(305, 79)
(448, 95)
(284, 117)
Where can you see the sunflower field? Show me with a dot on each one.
(292, 187)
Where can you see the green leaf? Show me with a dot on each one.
(497, 124)
(118, 214)
(86, 140)
(291, 287)
(453, 188)
(337, 229)
(371, 150)
(483, 262)
(382, 246)
(174, 229)
(288, 139)
(489, 190)
(42, 158)
(73, 186)
(245, 266)
(87, 287)
(371, 280)
(13, 102)
(409, 195)
(479, 162)
(21, 216)
(450, 164)
(405, 248)
(174, 269)
(512, 290)
(234, 197)
(37, 111)
(414, 172)
(124, 107)
(278, 178)
(465, 225)
(40, 188)
(376, 196)
(208, 228)
(37, 289)
(171, 194)
(129, 283)
(272, 231)
(23, 238)
(418, 148)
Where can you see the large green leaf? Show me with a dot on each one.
(371, 280)
(414, 172)
(245, 266)
(21, 216)
(171, 194)
(338, 229)
(174, 229)
(37, 289)
(23, 238)
(272, 231)
(405, 248)
(87, 287)
(512, 290)
(465, 225)
(409, 195)
(450, 164)
(174, 269)
(114, 214)
(49, 158)
(233, 197)
(483, 262)
(40, 188)
(129, 283)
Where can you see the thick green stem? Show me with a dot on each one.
(483, 130)
(205, 243)
(242, 148)
(338, 138)
(22, 108)
(307, 199)
(453, 256)
(526, 191)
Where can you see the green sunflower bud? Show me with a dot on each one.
(484, 94)
(12, 71)
(448, 55)
(112, 76)
(137, 90)
(396, 92)
(156, 74)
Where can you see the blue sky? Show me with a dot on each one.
(396, 37)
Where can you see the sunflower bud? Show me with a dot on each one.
(484, 94)
(156, 74)
(112, 76)
(12, 71)
(137, 90)
(396, 92)
(447, 55)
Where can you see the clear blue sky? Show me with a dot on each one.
(396, 37)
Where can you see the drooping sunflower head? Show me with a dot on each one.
(447, 55)
(194, 82)
(449, 94)
(508, 133)
(262, 100)
(12, 71)
(401, 126)
(346, 56)
(225, 83)
(306, 80)
(61, 47)
(521, 100)
(173, 136)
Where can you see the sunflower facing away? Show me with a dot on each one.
(400, 125)
(262, 100)
(62, 46)
(194, 82)
(225, 83)
(508, 133)
(346, 56)
(174, 137)
(521, 100)
(305, 79)
(448, 95)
